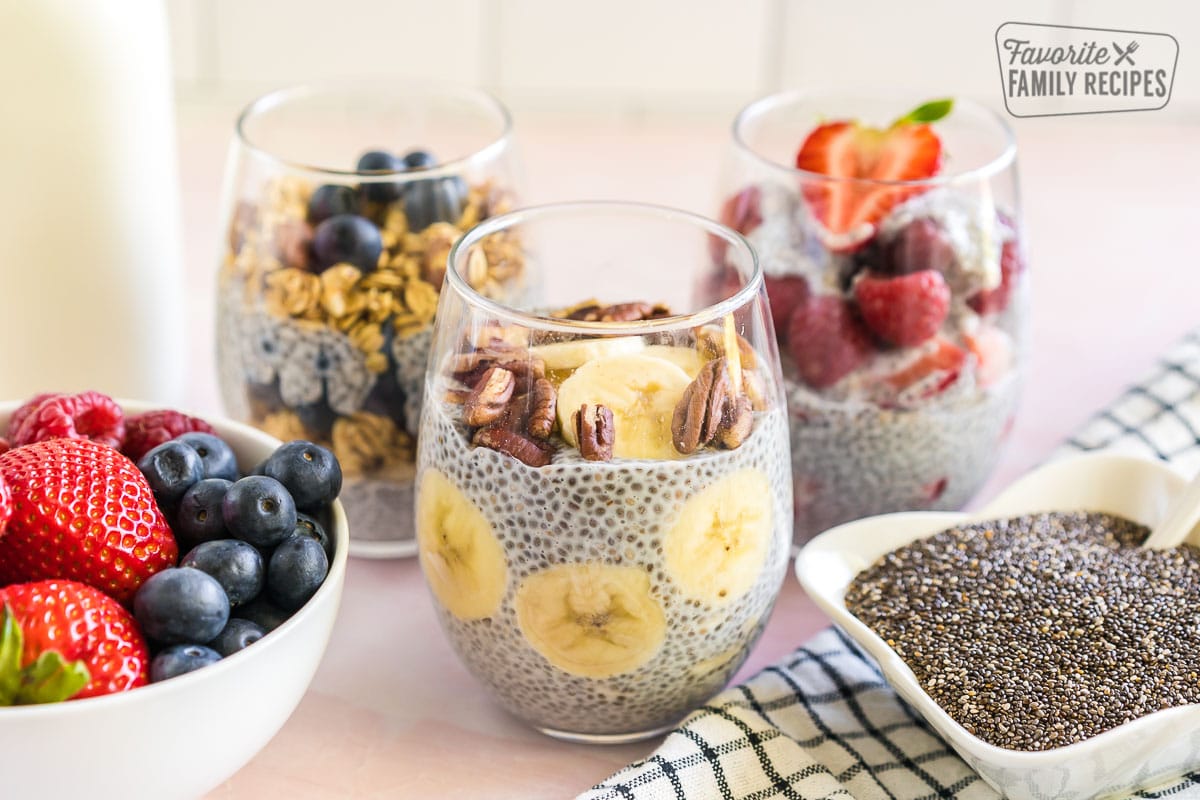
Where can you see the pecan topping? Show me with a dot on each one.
(470, 367)
(489, 398)
(701, 410)
(739, 419)
(618, 312)
(594, 429)
(756, 389)
(544, 410)
(710, 341)
(513, 444)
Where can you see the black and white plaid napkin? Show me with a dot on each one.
(823, 722)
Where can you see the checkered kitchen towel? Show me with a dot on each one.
(823, 722)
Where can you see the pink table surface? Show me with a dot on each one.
(1112, 218)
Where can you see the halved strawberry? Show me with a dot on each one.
(864, 159)
(83, 511)
(61, 639)
(993, 351)
(940, 366)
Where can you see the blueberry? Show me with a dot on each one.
(264, 613)
(310, 472)
(180, 604)
(329, 201)
(297, 569)
(237, 635)
(237, 566)
(379, 161)
(313, 529)
(171, 469)
(258, 509)
(434, 200)
(219, 460)
(347, 238)
(418, 159)
(179, 659)
(199, 518)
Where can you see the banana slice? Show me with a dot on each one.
(640, 391)
(566, 356)
(460, 555)
(593, 620)
(717, 547)
(686, 358)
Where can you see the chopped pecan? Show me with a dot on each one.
(618, 312)
(756, 389)
(527, 451)
(594, 430)
(738, 421)
(700, 412)
(292, 238)
(544, 409)
(489, 398)
(710, 341)
(469, 367)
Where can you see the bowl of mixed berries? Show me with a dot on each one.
(168, 585)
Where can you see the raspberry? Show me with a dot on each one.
(921, 244)
(993, 301)
(87, 415)
(784, 292)
(19, 416)
(906, 310)
(147, 431)
(826, 341)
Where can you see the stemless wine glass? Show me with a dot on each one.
(899, 302)
(603, 509)
(342, 202)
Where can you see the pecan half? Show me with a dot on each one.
(489, 398)
(710, 341)
(544, 410)
(618, 312)
(700, 412)
(739, 420)
(594, 430)
(513, 444)
(756, 389)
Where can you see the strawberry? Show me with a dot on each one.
(6, 501)
(905, 310)
(87, 415)
(83, 511)
(863, 157)
(993, 354)
(146, 431)
(993, 301)
(61, 639)
(785, 293)
(826, 340)
(940, 366)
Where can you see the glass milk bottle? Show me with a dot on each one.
(89, 215)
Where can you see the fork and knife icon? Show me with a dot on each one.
(1126, 54)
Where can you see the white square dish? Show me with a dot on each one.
(1139, 753)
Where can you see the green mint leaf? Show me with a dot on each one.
(926, 112)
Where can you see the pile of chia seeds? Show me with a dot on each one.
(1042, 630)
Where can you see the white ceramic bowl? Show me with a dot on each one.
(1140, 753)
(182, 737)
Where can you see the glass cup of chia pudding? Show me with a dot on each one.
(890, 241)
(603, 507)
(342, 202)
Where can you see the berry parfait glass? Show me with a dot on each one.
(603, 504)
(341, 204)
(891, 247)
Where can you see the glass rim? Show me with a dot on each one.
(278, 98)
(543, 322)
(1001, 161)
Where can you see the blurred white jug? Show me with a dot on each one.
(90, 257)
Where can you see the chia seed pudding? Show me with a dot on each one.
(1041, 630)
(900, 317)
(323, 334)
(610, 594)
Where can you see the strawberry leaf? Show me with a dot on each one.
(48, 679)
(926, 113)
